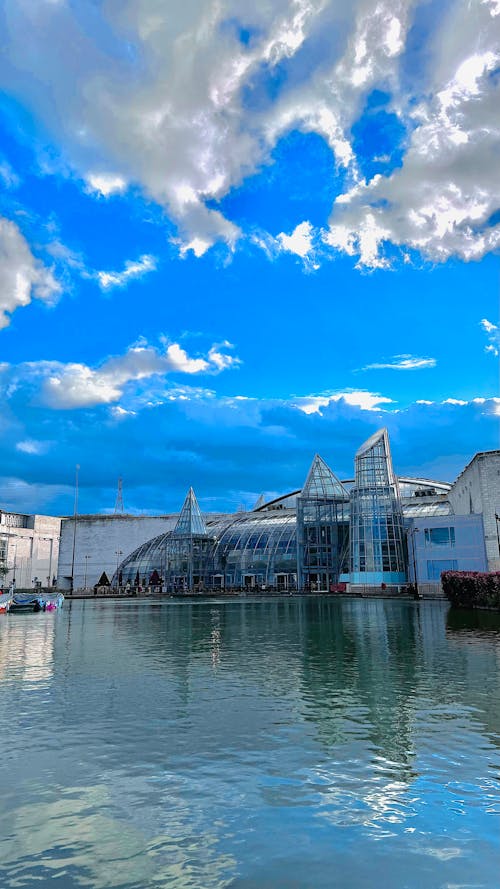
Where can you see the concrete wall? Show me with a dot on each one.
(468, 550)
(30, 545)
(477, 490)
(104, 540)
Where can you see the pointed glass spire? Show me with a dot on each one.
(190, 520)
(373, 461)
(322, 484)
(260, 502)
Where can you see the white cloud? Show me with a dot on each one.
(22, 276)
(133, 269)
(75, 385)
(299, 242)
(9, 178)
(193, 117)
(367, 401)
(105, 184)
(403, 362)
(30, 446)
(493, 333)
(440, 201)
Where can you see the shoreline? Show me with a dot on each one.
(160, 597)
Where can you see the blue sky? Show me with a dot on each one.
(240, 235)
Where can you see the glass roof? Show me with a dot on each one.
(190, 520)
(321, 483)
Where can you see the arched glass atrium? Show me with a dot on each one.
(246, 551)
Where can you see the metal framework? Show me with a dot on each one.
(322, 529)
(378, 551)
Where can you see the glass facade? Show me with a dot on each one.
(257, 550)
(378, 544)
(322, 529)
(332, 533)
(246, 551)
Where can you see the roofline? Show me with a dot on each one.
(475, 457)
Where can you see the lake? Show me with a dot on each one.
(253, 744)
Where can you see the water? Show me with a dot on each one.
(283, 744)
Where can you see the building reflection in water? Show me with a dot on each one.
(27, 647)
(183, 727)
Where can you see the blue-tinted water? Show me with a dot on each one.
(287, 743)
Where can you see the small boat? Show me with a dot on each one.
(23, 603)
(27, 603)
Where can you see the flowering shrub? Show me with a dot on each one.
(472, 589)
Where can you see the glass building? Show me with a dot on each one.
(378, 543)
(322, 529)
(247, 551)
(310, 539)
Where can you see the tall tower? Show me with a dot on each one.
(119, 497)
(378, 552)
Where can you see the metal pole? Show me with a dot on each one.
(118, 553)
(497, 520)
(414, 561)
(86, 564)
(75, 511)
(411, 533)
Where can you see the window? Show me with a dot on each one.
(439, 536)
(436, 566)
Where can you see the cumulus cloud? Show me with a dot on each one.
(105, 184)
(442, 200)
(402, 362)
(492, 331)
(22, 276)
(187, 107)
(366, 401)
(133, 269)
(299, 242)
(77, 385)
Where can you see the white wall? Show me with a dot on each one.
(477, 490)
(101, 538)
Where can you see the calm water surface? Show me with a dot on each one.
(254, 745)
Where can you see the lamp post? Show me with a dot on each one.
(223, 561)
(14, 569)
(86, 564)
(411, 532)
(497, 520)
(118, 553)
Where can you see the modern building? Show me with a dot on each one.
(29, 550)
(445, 543)
(378, 551)
(323, 514)
(371, 531)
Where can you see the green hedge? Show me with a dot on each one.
(472, 589)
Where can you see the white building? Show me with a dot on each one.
(96, 543)
(477, 490)
(29, 550)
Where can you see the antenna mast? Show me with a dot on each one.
(119, 497)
